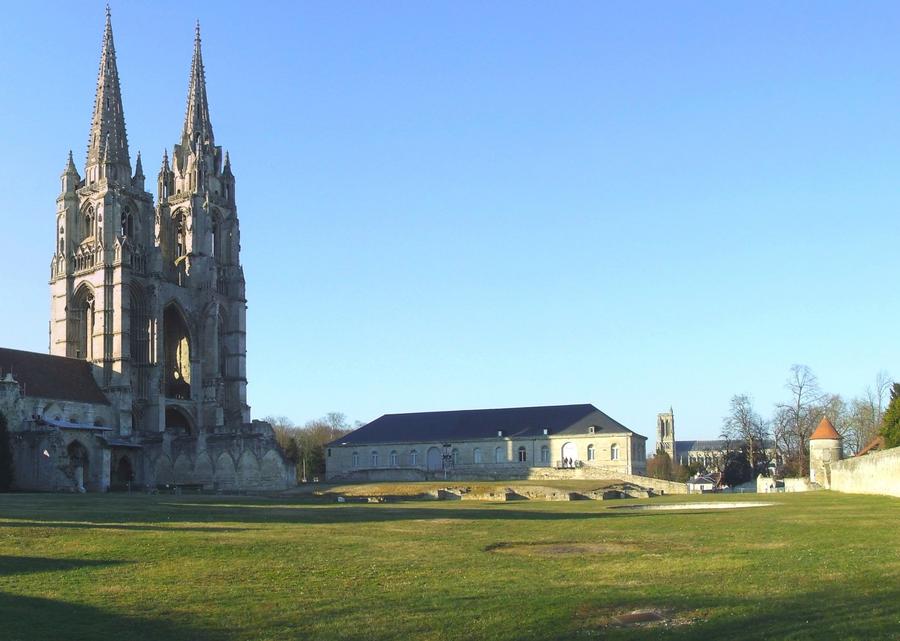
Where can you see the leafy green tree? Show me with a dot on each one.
(6, 458)
(890, 425)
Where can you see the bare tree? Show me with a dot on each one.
(795, 420)
(864, 414)
(744, 426)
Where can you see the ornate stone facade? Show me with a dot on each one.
(153, 297)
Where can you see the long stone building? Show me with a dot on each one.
(509, 443)
(146, 382)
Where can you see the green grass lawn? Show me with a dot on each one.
(812, 566)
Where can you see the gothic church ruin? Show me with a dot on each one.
(146, 382)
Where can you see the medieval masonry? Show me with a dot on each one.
(146, 382)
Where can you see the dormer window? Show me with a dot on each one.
(592, 429)
(546, 431)
(499, 433)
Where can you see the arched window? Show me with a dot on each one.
(591, 452)
(498, 455)
(523, 454)
(81, 324)
(545, 454)
(355, 459)
(455, 456)
(374, 458)
(126, 227)
(614, 452)
(476, 455)
(87, 223)
(413, 457)
(216, 238)
(139, 329)
(177, 349)
(394, 458)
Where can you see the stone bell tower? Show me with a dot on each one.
(104, 238)
(201, 281)
(665, 433)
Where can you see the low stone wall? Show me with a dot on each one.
(800, 484)
(509, 472)
(597, 473)
(876, 473)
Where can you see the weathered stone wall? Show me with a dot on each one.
(875, 473)
(800, 484)
(511, 472)
(247, 460)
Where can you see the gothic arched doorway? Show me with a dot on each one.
(78, 464)
(124, 473)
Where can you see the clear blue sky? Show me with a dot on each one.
(457, 205)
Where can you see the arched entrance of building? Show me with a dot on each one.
(78, 464)
(433, 459)
(123, 473)
(177, 420)
(569, 454)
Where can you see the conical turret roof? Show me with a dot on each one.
(825, 430)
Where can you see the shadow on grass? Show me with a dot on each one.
(35, 619)
(842, 612)
(29, 564)
(72, 525)
(168, 514)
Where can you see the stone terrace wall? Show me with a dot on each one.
(876, 473)
(510, 472)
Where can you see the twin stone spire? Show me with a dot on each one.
(107, 154)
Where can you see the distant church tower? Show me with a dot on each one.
(665, 433)
(155, 299)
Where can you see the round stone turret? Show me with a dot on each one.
(825, 447)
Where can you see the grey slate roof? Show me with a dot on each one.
(716, 444)
(55, 377)
(462, 425)
(700, 446)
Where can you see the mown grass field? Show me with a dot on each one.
(814, 566)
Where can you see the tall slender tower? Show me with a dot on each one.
(665, 433)
(201, 279)
(104, 229)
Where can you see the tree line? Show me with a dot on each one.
(304, 445)
(751, 439)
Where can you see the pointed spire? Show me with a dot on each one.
(70, 166)
(108, 140)
(196, 119)
(227, 168)
(165, 162)
(138, 167)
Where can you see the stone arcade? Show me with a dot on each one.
(146, 382)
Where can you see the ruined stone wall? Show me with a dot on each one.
(875, 473)
(245, 460)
